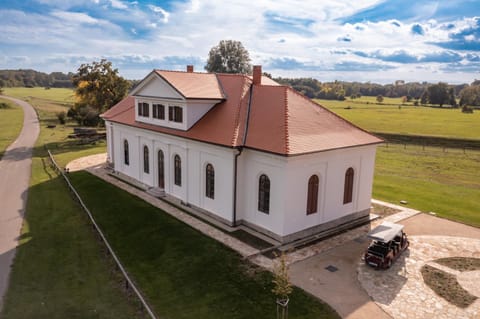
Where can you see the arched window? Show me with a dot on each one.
(178, 171)
(209, 181)
(264, 194)
(161, 170)
(348, 189)
(126, 154)
(312, 196)
(146, 163)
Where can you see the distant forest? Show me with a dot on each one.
(339, 90)
(312, 88)
(32, 78)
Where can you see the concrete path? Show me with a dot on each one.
(15, 169)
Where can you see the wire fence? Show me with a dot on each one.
(129, 284)
(431, 147)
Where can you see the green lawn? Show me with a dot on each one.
(447, 183)
(11, 122)
(416, 120)
(60, 269)
(46, 102)
(184, 273)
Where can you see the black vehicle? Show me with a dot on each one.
(389, 241)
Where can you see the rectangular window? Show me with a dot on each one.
(143, 109)
(158, 111)
(175, 114)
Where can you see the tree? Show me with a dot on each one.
(438, 94)
(282, 286)
(424, 98)
(470, 96)
(379, 98)
(228, 57)
(98, 86)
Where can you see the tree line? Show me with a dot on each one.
(32, 78)
(340, 90)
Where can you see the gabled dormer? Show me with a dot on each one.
(176, 99)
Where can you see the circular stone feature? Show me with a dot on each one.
(401, 292)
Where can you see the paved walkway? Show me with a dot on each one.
(401, 291)
(15, 169)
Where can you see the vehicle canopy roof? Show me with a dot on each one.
(385, 232)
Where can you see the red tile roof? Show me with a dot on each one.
(193, 85)
(280, 120)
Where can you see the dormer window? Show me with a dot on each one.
(175, 114)
(158, 111)
(143, 109)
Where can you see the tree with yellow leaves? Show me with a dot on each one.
(98, 87)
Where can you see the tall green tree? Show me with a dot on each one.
(228, 57)
(438, 94)
(98, 86)
(470, 96)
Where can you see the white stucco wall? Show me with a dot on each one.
(288, 178)
(289, 187)
(194, 158)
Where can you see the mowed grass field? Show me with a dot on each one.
(408, 119)
(46, 102)
(11, 122)
(430, 180)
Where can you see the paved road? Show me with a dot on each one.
(15, 169)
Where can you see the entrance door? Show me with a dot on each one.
(161, 170)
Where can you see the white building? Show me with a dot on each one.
(244, 150)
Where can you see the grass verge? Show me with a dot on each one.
(446, 286)
(183, 273)
(11, 122)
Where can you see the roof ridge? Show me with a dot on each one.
(286, 121)
(179, 71)
(333, 113)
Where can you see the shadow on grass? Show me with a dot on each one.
(183, 273)
(60, 269)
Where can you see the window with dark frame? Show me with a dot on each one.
(143, 109)
(348, 189)
(312, 196)
(161, 169)
(126, 154)
(210, 181)
(146, 163)
(178, 171)
(264, 194)
(175, 114)
(158, 111)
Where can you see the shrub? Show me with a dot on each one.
(61, 116)
(4, 105)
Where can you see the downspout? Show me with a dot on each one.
(240, 150)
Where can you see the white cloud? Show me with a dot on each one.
(75, 17)
(157, 9)
(117, 4)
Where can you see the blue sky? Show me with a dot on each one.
(368, 40)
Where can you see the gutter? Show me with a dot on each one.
(240, 150)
